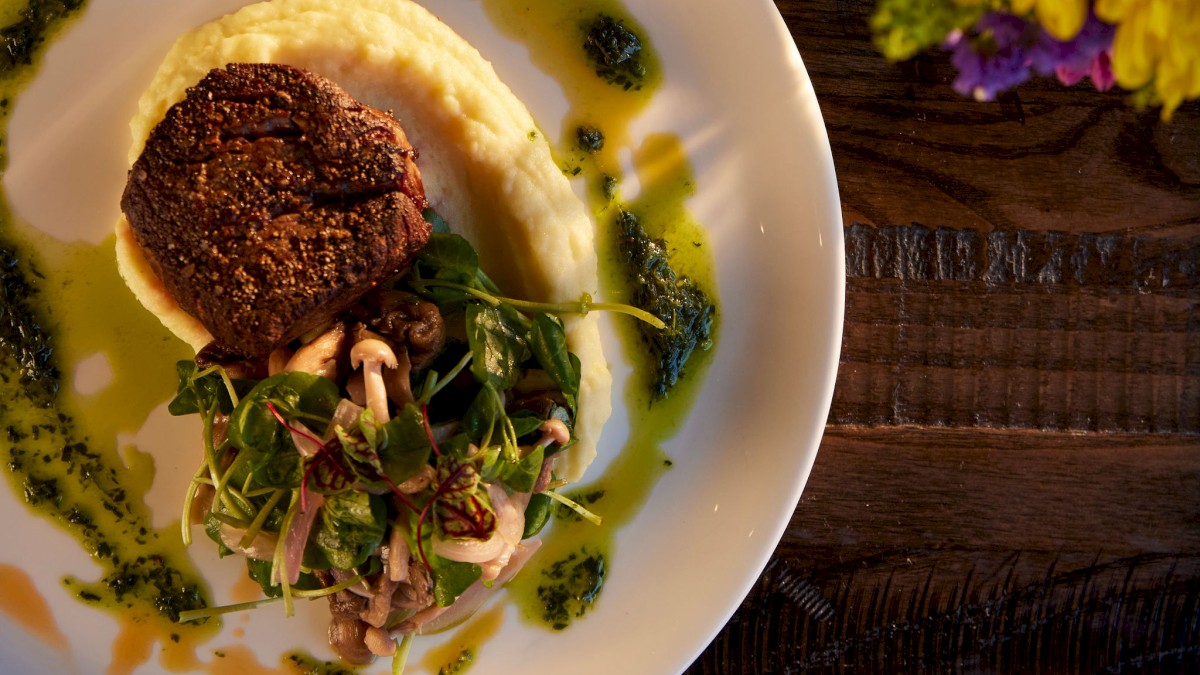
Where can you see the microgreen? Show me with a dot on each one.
(548, 342)
(574, 506)
(462, 511)
(254, 428)
(403, 646)
(278, 442)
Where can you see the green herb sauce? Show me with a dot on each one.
(566, 576)
(568, 588)
(61, 303)
(306, 664)
(460, 663)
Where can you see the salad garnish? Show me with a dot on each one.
(397, 463)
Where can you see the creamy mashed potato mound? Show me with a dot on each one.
(484, 170)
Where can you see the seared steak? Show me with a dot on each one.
(269, 200)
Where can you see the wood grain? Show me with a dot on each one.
(1022, 329)
(969, 550)
(1010, 479)
(907, 148)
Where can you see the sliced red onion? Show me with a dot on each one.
(201, 504)
(436, 619)
(345, 416)
(469, 550)
(510, 525)
(262, 548)
(418, 481)
(297, 537)
(304, 439)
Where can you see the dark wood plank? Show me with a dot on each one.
(1020, 329)
(1011, 478)
(995, 551)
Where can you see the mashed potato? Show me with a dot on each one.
(484, 169)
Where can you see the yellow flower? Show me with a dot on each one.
(1062, 19)
(1156, 40)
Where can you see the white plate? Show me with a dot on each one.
(737, 93)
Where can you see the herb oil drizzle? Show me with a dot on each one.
(59, 304)
(565, 578)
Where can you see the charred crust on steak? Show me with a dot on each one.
(268, 201)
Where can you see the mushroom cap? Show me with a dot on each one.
(372, 351)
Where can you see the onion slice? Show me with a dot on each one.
(436, 619)
(297, 536)
(262, 548)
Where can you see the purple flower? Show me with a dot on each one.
(993, 58)
(1087, 54)
(1001, 51)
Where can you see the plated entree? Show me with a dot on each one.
(387, 280)
(382, 424)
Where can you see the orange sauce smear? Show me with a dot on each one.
(21, 601)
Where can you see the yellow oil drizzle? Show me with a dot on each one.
(551, 29)
(95, 314)
(478, 630)
(21, 602)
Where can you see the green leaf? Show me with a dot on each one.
(451, 578)
(392, 452)
(548, 342)
(457, 446)
(449, 257)
(482, 417)
(537, 514)
(462, 510)
(351, 528)
(361, 458)
(255, 430)
(435, 220)
(368, 426)
(314, 556)
(403, 445)
(195, 394)
(525, 422)
(498, 347)
(327, 475)
(521, 476)
(260, 572)
(212, 528)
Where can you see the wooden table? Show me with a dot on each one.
(1010, 476)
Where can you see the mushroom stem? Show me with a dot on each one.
(373, 355)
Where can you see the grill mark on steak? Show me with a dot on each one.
(269, 200)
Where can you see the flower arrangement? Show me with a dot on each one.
(1148, 47)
